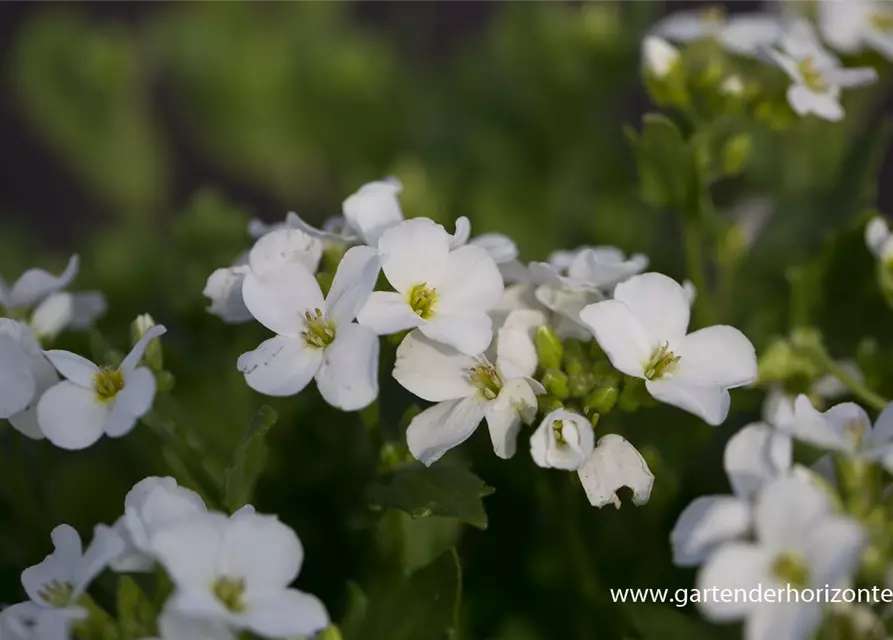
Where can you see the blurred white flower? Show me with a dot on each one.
(173, 625)
(754, 456)
(800, 542)
(316, 337)
(817, 74)
(844, 428)
(34, 286)
(744, 33)
(92, 401)
(150, 506)
(851, 26)
(60, 579)
(504, 252)
(236, 571)
(778, 406)
(468, 389)
(564, 440)
(615, 463)
(643, 332)
(658, 56)
(732, 86)
(224, 288)
(28, 621)
(445, 293)
(878, 239)
(20, 378)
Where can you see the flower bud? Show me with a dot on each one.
(629, 396)
(153, 356)
(581, 383)
(546, 403)
(548, 348)
(603, 399)
(555, 382)
(659, 56)
(736, 153)
(564, 440)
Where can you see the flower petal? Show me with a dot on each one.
(287, 613)
(70, 416)
(190, 550)
(704, 525)
(684, 26)
(73, 367)
(260, 549)
(710, 404)
(17, 382)
(781, 620)
(716, 356)
(386, 312)
(470, 334)
(106, 545)
(280, 366)
(373, 209)
(173, 625)
(620, 334)
(118, 421)
(882, 433)
(803, 102)
(445, 425)
(833, 550)
(516, 355)
(280, 298)
(613, 464)
(659, 304)
(136, 397)
(786, 510)
(224, 288)
(285, 247)
(354, 281)
(414, 252)
(876, 235)
(36, 284)
(472, 282)
(462, 233)
(431, 370)
(852, 77)
(348, 375)
(59, 566)
(738, 565)
(53, 315)
(498, 245)
(132, 360)
(816, 428)
(755, 455)
(516, 403)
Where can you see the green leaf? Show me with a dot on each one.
(435, 491)
(248, 460)
(136, 613)
(422, 607)
(666, 168)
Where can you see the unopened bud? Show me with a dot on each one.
(736, 153)
(603, 399)
(555, 382)
(548, 348)
(548, 403)
(153, 356)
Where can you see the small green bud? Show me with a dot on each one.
(603, 399)
(555, 382)
(548, 403)
(548, 348)
(164, 380)
(330, 633)
(736, 153)
(153, 356)
(580, 384)
(629, 396)
(574, 366)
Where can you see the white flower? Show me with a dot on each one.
(257, 228)
(224, 288)
(150, 506)
(852, 25)
(445, 293)
(34, 286)
(173, 625)
(28, 621)
(878, 239)
(799, 542)
(615, 463)
(817, 74)
(236, 571)
(468, 389)
(753, 456)
(643, 332)
(778, 407)
(316, 337)
(744, 34)
(504, 252)
(564, 440)
(24, 373)
(74, 413)
(844, 428)
(65, 574)
(368, 213)
(659, 56)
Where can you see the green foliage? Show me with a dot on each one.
(248, 460)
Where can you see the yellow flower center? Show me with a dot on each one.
(487, 380)
(107, 383)
(882, 20)
(57, 594)
(558, 430)
(422, 300)
(789, 568)
(854, 431)
(812, 78)
(318, 332)
(662, 362)
(229, 592)
(713, 14)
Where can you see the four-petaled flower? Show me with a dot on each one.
(643, 332)
(316, 337)
(25, 373)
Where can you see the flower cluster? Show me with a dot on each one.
(229, 573)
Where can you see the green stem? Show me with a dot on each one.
(858, 389)
(696, 271)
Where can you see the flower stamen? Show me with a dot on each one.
(882, 20)
(713, 14)
(812, 78)
(57, 594)
(662, 362)
(107, 383)
(422, 300)
(487, 379)
(318, 331)
(558, 430)
(229, 592)
(789, 568)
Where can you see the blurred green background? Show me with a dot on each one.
(144, 136)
